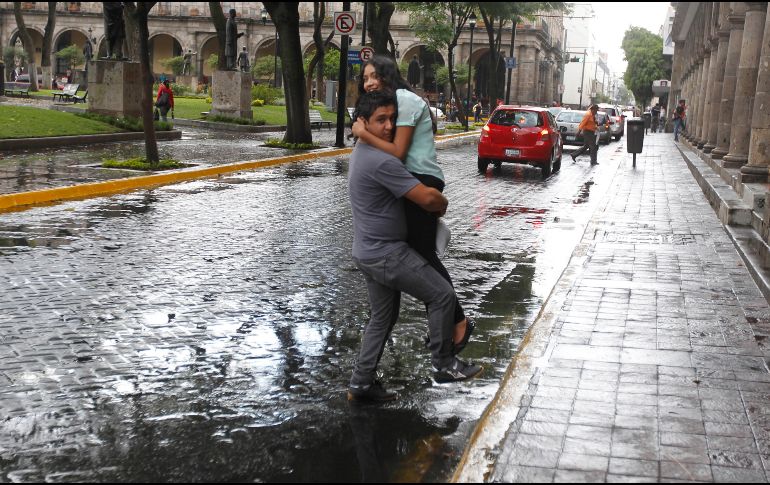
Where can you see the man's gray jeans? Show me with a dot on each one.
(403, 270)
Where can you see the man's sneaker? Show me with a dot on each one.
(457, 371)
(374, 392)
(574, 160)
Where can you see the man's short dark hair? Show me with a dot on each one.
(368, 103)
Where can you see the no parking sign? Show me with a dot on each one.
(344, 23)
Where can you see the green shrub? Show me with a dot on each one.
(176, 64)
(266, 93)
(237, 121)
(208, 100)
(278, 143)
(179, 89)
(128, 123)
(141, 163)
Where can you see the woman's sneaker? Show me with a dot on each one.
(457, 371)
(374, 392)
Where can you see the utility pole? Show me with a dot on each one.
(582, 78)
(510, 71)
(342, 85)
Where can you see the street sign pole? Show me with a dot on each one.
(342, 88)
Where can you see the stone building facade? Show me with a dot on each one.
(721, 68)
(179, 27)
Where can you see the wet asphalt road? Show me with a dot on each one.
(206, 331)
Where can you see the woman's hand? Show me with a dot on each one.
(359, 127)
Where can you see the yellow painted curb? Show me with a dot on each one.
(13, 201)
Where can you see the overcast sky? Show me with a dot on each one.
(612, 19)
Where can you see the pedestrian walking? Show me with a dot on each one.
(164, 101)
(589, 127)
(655, 117)
(413, 144)
(378, 186)
(680, 115)
(477, 112)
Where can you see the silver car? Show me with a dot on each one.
(617, 119)
(568, 121)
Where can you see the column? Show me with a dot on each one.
(746, 83)
(759, 144)
(719, 75)
(725, 113)
(703, 96)
(548, 92)
(694, 102)
(536, 81)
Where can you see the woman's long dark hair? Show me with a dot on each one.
(387, 72)
(390, 79)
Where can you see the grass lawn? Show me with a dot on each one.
(191, 108)
(26, 122)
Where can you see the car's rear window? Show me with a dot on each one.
(570, 116)
(610, 111)
(523, 119)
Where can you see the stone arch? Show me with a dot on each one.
(65, 38)
(163, 45)
(480, 60)
(430, 60)
(37, 41)
(209, 46)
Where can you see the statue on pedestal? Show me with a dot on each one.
(114, 28)
(413, 73)
(186, 67)
(243, 60)
(231, 41)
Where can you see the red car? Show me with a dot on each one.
(521, 134)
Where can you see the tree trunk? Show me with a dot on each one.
(319, 12)
(378, 25)
(452, 85)
(45, 61)
(285, 16)
(26, 39)
(138, 13)
(220, 24)
(132, 43)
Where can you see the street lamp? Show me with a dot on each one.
(472, 23)
(263, 14)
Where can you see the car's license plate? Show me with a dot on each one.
(510, 152)
(571, 138)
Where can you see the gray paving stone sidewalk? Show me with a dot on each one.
(656, 366)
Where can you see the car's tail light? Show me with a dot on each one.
(544, 134)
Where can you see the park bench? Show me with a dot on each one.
(316, 120)
(80, 99)
(67, 93)
(14, 88)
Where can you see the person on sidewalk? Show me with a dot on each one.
(655, 121)
(414, 145)
(588, 126)
(378, 183)
(164, 101)
(680, 114)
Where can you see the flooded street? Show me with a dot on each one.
(207, 331)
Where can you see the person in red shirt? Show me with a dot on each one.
(589, 128)
(164, 101)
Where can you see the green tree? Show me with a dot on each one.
(264, 67)
(73, 55)
(285, 16)
(212, 61)
(644, 53)
(439, 25)
(378, 16)
(45, 62)
(10, 54)
(26, 40)
(176, 64)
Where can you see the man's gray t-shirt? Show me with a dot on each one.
(376, 183)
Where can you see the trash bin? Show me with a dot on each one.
(647, 119)
(635, 135)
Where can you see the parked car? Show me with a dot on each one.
(520, 134)
(616, 115)
(555, 110)
(568, 121)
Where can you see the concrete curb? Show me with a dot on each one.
(62, 141)
(22, 200)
